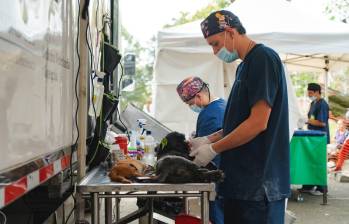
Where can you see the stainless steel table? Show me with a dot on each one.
(97, 185)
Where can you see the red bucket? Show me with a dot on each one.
(121, 140)
(187, 219)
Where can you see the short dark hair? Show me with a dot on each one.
(314, 87)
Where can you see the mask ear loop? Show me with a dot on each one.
(208, 89)
(209, 93)
(225, 38)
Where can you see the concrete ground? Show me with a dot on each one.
(311, 209)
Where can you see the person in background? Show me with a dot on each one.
(196, 94)
(339, 138)
(343, 154)
(254, 142)
(317, 120)
(319, 110)
(341, 133)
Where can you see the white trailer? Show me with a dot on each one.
(38, 107)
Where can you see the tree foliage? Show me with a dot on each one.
(300, 82)
(338, 10)
(338, 104)
(145, 55)
(202, 13)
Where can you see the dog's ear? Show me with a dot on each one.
(180, 144)
(174, 138)
(162, 147)
(163, 143)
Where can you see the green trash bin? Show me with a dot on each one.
(308, 158)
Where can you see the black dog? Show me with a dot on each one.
(174, 164)
(176, 169)
(173, 144)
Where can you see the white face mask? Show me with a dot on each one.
(195, 108)
(225, 55)
(312, 98)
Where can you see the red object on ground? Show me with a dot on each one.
(187, 219)
(342, 155)
(122, 142)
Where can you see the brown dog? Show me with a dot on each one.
(126, 169)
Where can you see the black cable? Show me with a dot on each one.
(77, 108)
(71, 212)
(3, 216)
(77, 97)
(118, 98)
(85, 9)
(88, 30)
(97, 33)
(119, 87)
(119, 115)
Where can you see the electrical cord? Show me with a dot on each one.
(77, 97)
(89, 36)
(97, 34)
(71, 211)
(94, 154)
(127, 132)
(77, 109)
(3, 215)
(119, 85)
(118, 98)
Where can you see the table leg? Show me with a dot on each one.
(324, 196)
(117, 208)
(95, 208)
(204, 208)
(186, 204)
(150, 210)
(108, 209)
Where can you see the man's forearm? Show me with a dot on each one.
(247, 130)
(218, 135)
(244, 133)
(316, 123)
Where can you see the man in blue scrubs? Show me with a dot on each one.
(196, 93)
(254, 141)
(317, 120)
(319, 110)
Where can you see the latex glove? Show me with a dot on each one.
(301, 122)
(197, 142)
(203, 154)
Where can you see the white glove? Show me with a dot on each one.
(203, 155)
(197, 142)
(301, 122)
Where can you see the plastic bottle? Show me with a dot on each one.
(97, 98)
(122, 141)
(149, 146)
(132, 147)
(116, 153)
(140, 150)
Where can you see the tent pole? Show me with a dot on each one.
(327, 73)
(82, 111)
